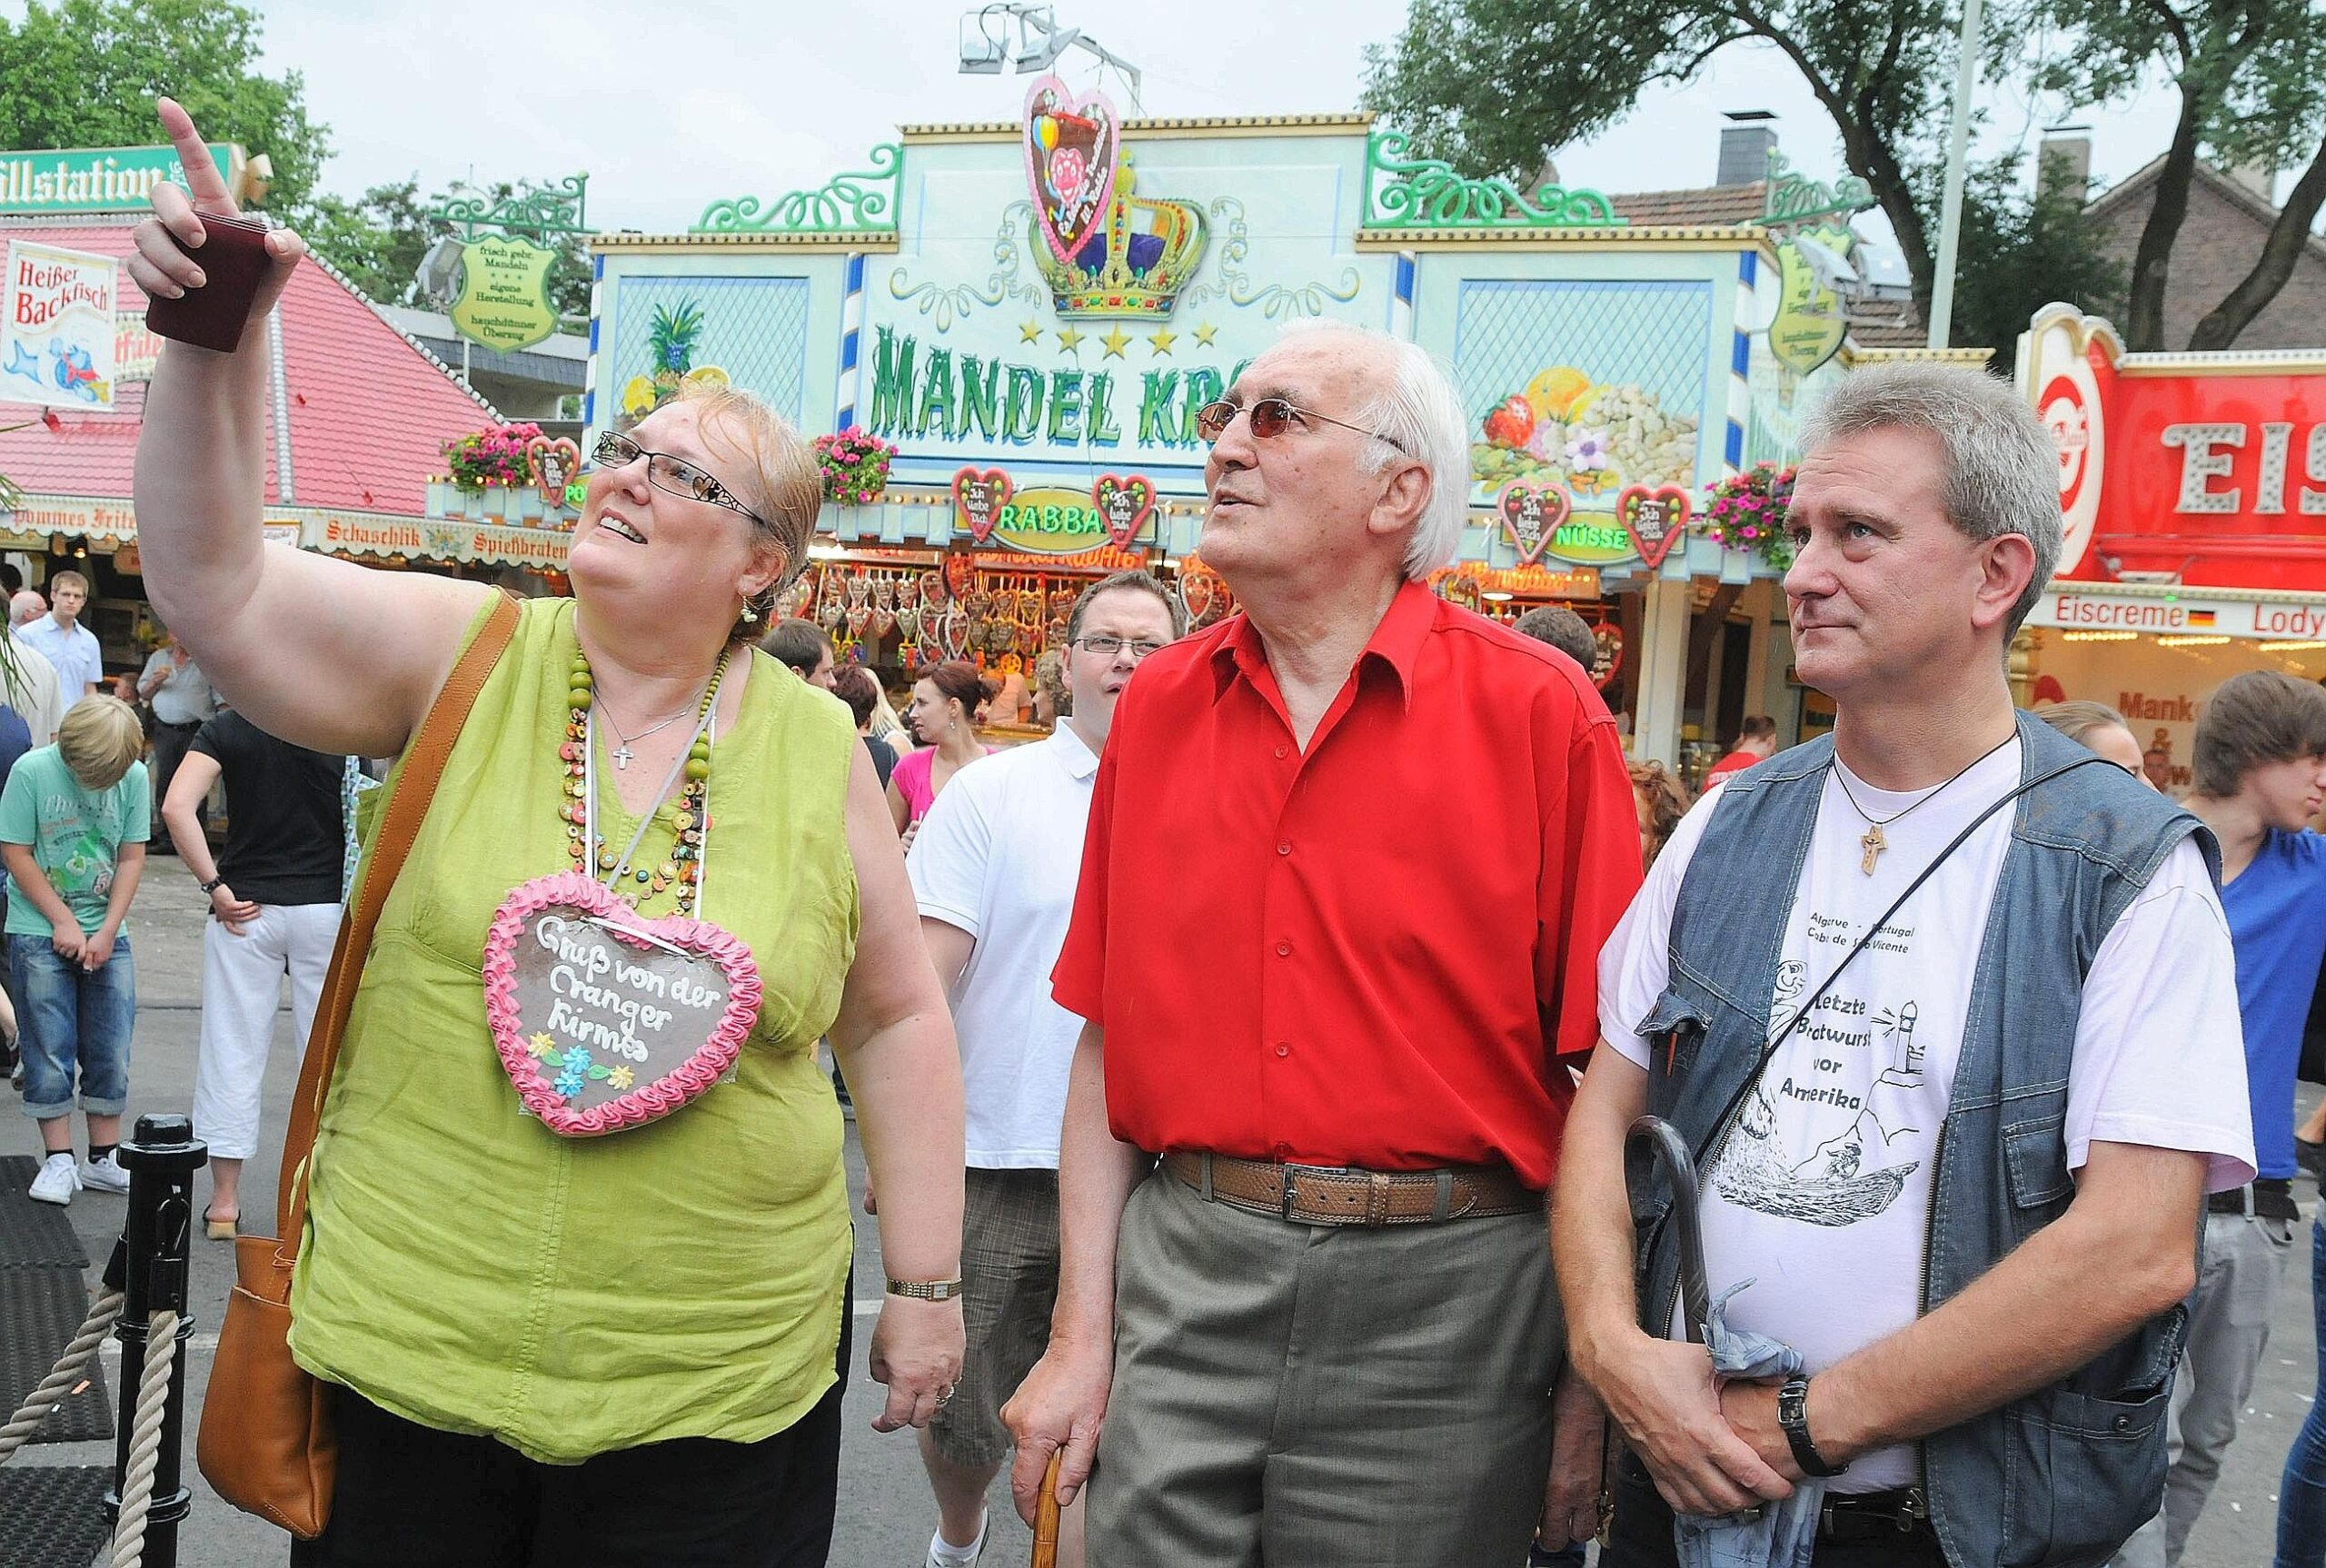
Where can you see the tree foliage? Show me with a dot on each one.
(85, 72)
(2251, 79)
(2021, 250)
(1497, 86)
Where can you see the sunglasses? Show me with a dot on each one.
(1270, 417)
(673, 475)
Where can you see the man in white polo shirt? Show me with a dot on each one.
(994, 870)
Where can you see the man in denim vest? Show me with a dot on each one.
(1965, 1182)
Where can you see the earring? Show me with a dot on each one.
(750, 615)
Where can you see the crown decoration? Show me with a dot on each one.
(1104, 252)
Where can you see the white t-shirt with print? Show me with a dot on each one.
(1820, 1191)
(998, 856)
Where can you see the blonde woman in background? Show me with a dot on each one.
(2099, 729)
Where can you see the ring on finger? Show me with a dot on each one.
(945, 1393)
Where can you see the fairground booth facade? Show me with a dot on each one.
(1008, 327)
(2193, 488)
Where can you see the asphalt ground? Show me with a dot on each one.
(885, 1515)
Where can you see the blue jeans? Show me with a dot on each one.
(2301, 1491)
(67, 1018)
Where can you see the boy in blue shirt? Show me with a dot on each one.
(74, 820)
(2259, 765)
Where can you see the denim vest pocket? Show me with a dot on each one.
(1674, 1031)
(2035, 1161)
(2080, 1473)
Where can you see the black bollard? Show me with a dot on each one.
(160, 1161)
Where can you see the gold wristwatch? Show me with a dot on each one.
(926, 1289)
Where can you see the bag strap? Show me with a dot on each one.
(1769, 1052)
(407, 806)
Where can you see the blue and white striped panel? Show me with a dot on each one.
(590, 365)
(851, 331)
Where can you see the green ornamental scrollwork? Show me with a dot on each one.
(860, 200)
(559, 209)
(1404, 192)
(1795, 199)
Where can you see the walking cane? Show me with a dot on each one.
(1046, 1516)
(1670, 1152)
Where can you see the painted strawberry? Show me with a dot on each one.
(1511, 424)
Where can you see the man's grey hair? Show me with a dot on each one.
(1418, 415)
(25, 608)
(2002, 469)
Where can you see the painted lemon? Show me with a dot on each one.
(639, 397)
(1552, 392)
(708, 376)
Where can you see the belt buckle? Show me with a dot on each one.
(1285, 1177)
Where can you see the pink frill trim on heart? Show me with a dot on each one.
(648, 1102)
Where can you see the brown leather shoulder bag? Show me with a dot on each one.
(266, 1442)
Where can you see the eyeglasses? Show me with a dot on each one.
(1269, 417)
(665, 472)
(1108, 646)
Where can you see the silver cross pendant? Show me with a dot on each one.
(622, 755)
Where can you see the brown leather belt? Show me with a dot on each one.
(1338, 1194)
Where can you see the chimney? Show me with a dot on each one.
(1745, 146)
(2064, 163)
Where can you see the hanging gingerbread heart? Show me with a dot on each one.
(1531, 516)
(604, 1019)
(979, 497)
(1653, 518)
(1124, 506)
(1071, 162)
(1197, 594)
(1609, 638)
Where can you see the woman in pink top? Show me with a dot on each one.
(942, 719)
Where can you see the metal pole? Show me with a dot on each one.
(160, 1161)
(1950, 209)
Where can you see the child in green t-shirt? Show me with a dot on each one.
(74, 820)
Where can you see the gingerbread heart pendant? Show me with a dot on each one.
(1070, 165)
(1654, 519)
(1531, 515)
(1124, 506)
(978, 499)
(606, 1019)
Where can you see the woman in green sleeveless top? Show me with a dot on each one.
(579, 1244)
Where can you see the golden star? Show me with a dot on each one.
(1069, 339)
(1206, 332)
(1162, 340)
(1029, 332)
(1115, 340)
(541, 1044)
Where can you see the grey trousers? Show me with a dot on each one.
(1300, 1395)
(2243, 1264)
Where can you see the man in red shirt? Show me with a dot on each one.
(1335, 945)
(1757, 741)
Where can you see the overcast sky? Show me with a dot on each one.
(671, 106)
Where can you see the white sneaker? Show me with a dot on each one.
(57, 1181)
(943, 1553)
(104, 1175)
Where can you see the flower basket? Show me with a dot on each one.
(495, 455)
(1745, 511)
(855, 465)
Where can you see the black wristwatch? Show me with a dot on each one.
(212, 886)
(1792, 1414)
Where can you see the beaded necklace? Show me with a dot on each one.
(690, 821)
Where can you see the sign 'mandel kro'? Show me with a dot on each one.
(98, 179)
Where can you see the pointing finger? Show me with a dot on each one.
(201, 174)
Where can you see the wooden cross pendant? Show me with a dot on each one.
(1872, 843)
(623, 754)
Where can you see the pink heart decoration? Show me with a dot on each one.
(978, 497)
(1124, 506)
(604, 1019)
(1531, 516)
(1653, 519)
(1070, 163)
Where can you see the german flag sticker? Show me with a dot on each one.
(2201, 617)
